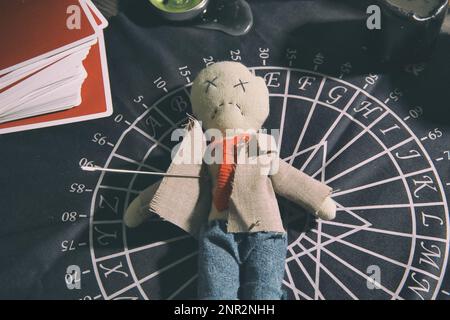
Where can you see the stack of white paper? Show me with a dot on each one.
(44, 62)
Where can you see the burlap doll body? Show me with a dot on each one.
(232, 208)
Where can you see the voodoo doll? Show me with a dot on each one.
(230, 205)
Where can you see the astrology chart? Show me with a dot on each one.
(361, 133)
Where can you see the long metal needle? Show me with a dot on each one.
(97, 168)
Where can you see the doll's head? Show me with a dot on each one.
(226, 95)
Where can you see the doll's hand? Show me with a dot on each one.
(135, 213)
(327, 210)
(138, 211)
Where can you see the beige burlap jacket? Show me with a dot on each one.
(253, 207)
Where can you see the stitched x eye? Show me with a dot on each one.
(210, 83)
(240, 84)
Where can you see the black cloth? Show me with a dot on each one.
(56, 219)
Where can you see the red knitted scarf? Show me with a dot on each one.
(227, 168)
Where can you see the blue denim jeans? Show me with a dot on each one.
(246, 266)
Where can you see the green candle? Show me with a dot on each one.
(176, 6)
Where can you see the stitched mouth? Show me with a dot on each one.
(216, 110)
(240, 109)
(214, 114)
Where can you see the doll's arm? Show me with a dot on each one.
(138, 210)
(303, 190)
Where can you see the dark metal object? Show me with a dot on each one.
(233, 17)
(409, 29)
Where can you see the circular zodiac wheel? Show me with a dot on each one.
(388, 241)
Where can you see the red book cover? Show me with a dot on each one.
(34, 29)
(95, 92)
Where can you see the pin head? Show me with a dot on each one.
(89, 168)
